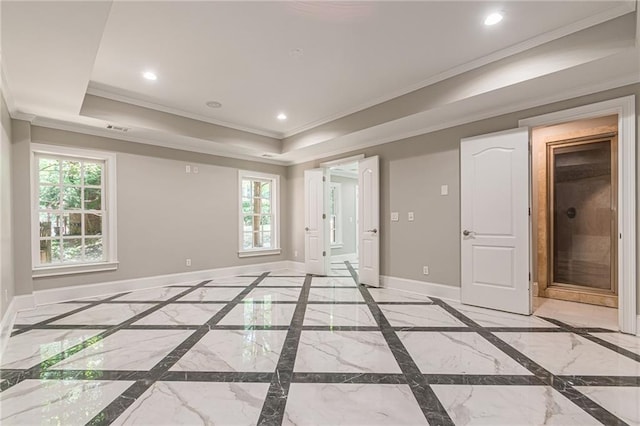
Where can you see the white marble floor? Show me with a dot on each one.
(287, 349)
(577, 314)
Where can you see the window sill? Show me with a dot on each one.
(52, 271)
(252, 253)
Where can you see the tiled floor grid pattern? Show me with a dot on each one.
(285, 348)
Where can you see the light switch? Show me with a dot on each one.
(410, 216)
(395, 217)
(444, 190)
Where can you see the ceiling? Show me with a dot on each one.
(79, 65)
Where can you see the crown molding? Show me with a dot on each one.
(607, 15)
(179, 143)
(175, 142)
(114, 94)
(469, 118)
(6, 92)
(98, 89)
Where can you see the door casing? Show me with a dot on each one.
(627, 272)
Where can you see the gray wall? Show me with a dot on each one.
(21, 193)
(348, 214)
(164, 214)
(196, 210)
(7, 286)
(411, 173)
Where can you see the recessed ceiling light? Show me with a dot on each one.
(493, 18)
(150, 75)
(282, 116)
(214, 104)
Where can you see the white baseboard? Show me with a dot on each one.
(63, 294)
(18, 303)
(420, 287)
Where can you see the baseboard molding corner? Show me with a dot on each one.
(18, 303)
(440, 291)
(64, 294)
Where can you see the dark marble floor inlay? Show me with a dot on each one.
(309, 349)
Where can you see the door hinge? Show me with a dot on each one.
(324, 216)
(529, 211)
(529, 276)
(324, 253)
(324, 179)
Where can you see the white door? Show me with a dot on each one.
(494, 207)
(316, 232)
(369, 221)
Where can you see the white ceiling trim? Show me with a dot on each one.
(496, 56)
(177, 142)
(186, 144)
(6, 92)
(468, 118)
(114, 94)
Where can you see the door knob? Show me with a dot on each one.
(306, 228)
(374, 230)
(466, 233)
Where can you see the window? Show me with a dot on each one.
(259, 218)
(73, 211)
(335, 220)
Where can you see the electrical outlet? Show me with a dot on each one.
(187, 169)
(394, 217)
(425, 270)
(444, 190)
(195, 170)
(410, 216)
(295, 253)
(188, 262)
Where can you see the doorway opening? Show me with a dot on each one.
(343, 217)
(575, 218)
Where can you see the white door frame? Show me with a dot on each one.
(341, 162)
(628, 318)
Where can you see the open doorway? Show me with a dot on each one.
(343, 217)
(500, 253)
(351, 224)
(575, 221)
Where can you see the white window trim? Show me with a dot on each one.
(275, 206)
(338, 210)
(110, 225)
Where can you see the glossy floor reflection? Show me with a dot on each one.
(285, 348)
